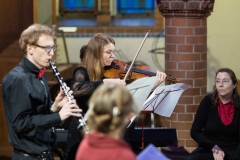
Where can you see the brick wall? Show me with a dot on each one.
(186, 58)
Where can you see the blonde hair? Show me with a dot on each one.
(94, 55)
(110, 105)
(32, 34)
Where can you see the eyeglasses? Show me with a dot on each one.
(224, 81)
(47, 48)
(110, 52)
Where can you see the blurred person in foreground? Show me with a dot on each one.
(111, 107)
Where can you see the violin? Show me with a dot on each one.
(118, 69)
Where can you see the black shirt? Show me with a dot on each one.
(82, 90)
(27, 104)
(82, 87)
(208, 130)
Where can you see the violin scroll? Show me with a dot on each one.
(172, 80)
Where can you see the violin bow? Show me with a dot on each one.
(130, 68)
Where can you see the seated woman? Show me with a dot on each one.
(111, 107)
(216, 127)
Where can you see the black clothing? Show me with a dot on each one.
(82, 87)
(82, 90)
(21, 155)
(27, 104)
(208, 130)
(201, 153)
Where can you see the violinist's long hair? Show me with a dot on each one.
(235, 94)
(93, 58)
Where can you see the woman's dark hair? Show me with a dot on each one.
(82, 52)
(235, 94)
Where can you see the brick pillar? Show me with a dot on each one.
(186, 59)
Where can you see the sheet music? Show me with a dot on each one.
(164, 99)
(141, 88)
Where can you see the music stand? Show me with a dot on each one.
(164, 99)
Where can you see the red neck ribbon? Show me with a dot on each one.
(41, 72)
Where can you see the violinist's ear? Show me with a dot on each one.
(234, 86)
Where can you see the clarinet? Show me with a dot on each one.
(63, 85)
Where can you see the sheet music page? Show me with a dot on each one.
(141, 88)
(164, 99)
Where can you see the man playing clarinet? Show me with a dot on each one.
(30, 113)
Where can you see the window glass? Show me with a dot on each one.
(82, 5)
(135, 6)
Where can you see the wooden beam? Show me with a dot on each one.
(35, 11)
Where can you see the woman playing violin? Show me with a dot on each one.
(99, 53)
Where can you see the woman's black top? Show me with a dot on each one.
(82, 90)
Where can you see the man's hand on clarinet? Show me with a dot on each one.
(61, 99)
(70, 109)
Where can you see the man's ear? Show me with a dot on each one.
(29, 49)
